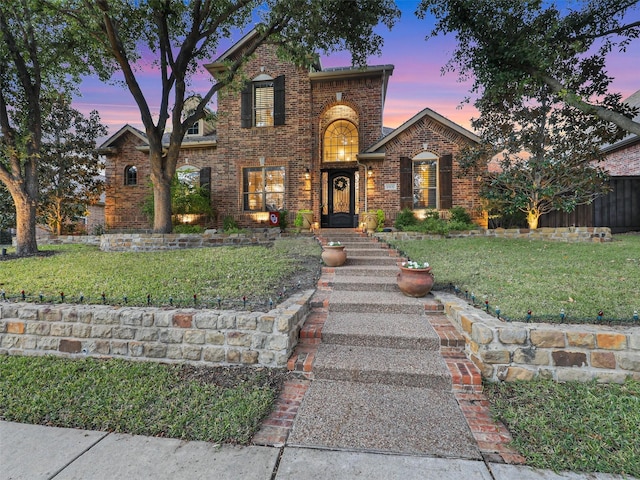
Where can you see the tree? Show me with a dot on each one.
(183, 35)
(37, 57)
(69, 166)
(547, 161)
(510, 45)
(7, 210)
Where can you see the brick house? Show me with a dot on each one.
(302, 138)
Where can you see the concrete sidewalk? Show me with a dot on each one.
(33, 452)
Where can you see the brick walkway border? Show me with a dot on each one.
(492, 436)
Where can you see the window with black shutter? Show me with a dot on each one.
(406, 183)
(263, 103)
(445, 181)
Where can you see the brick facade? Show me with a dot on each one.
(313, 100)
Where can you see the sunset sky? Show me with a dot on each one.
(416, 82)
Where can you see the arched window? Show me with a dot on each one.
(130, 175)
(340, 142)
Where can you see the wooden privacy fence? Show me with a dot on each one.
(619, 210)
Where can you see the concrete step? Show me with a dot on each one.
(379, 302)
(367, 270)
(368, 260)
(390, 366)
(406, 331)
(369, 252)
(366, 246)
(389, 418)
(358, 283)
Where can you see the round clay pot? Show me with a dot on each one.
(415, 282)
(333, 255)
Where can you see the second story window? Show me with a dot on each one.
(194, 129)
(263, 102)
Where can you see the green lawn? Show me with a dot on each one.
(544, 277)
(143, 398)
(572, 426)
(229, 273)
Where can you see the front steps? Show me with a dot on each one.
(380, 382)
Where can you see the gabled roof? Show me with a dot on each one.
(427, 112)
(218, 64)
(189, 141)
(108, 143)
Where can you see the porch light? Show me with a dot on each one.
(370, 171)
(307, 174)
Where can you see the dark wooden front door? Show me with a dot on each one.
(340, 201)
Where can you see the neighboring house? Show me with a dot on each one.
(620, 209)
(298, 138)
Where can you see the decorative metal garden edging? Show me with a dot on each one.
(529, 317)
(252, 303)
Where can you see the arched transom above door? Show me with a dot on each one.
(340, 142)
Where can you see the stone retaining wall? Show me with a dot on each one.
(212, 337)
(565, 234)
(563, 352)
(145, 242)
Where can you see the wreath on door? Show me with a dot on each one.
(340, 184)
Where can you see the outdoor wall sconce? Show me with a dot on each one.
(370, 171)
(307, 174)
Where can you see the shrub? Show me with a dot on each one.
(459, 214)
(406, 218)
(380, 215)
(284, 219)
(433, 225)
(299, 220)
(185, 228)
(230, 224)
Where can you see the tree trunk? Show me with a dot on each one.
(25, 227)
(162, 206)
(533, 216)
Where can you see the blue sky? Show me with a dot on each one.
(416, 82)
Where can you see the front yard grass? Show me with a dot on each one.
(544, 277)
(258, 273)
(581, 427)
(213, 404)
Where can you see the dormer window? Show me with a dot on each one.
(263, 102)
(194, 129)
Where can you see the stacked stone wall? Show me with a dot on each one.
(210, 337)
(562, 234)
(562, 352)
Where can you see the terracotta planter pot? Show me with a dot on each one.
(333, 255)
(415, 282)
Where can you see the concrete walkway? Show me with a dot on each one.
(32, 452)
(382, 404)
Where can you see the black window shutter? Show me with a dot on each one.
(246, 107)
(406, 183)
(445, 181)
(205, 179)
(278, 100)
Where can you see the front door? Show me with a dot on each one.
(340, 202)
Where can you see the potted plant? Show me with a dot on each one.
(415, 278)
(333, 254)
(304, 219)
